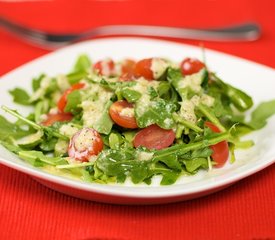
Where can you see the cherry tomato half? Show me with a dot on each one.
(127, 77)
(154, 137)
(63, 100)
(191, 65)
(143, 69)
(59, 117)
(220, 150)
(122, 114)
(105, 67)
(84, 144)
(127, 70)
(127, 66)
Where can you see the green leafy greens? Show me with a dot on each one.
(174, 102)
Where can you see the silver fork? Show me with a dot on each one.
(247, 31)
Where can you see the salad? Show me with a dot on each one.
(109, 121)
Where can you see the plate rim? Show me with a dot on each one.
(129, 38)
(98, 187)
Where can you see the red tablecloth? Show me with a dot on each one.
(245, 210)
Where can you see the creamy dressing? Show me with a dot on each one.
(207, 100)
(61, 147)
(142, 85)
(84, 140)
(158, 67)
(187, 110)
(144, 156)
(192, 81)
(94, 105)
(53, 110)
(45, 82)
(62, 82)
(143, 104)
(68, 130)
(127, 112)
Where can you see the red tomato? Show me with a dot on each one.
(143, 69)
(191, 65)
(84, 144)
(154, 137)
(220, 150)
(127, 77)
(127, 66)
(63, 100)
(121, 113)
(59, 117)
(105, 67)
(127, 70)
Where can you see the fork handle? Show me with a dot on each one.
(245, 31)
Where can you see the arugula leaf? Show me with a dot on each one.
(36, 82)
(139, 171)
(36, 157)
(115, 140)
(221, 107)
(115, 163)
(41, 107)
(181, 149)
(20, 96)
(156, 112)
(29, 158)
(47, 87)
(169, 178)
(82, 63)
(196, 159)
(48, 145)
(238, 98)
(192, 165)
(105, 123)
(187, 86)
(201, 153)
(10, 146)
(80, 69)
(171, 162)
(73, 101)
(8, 129)
(163, 89)
(174, 76)
(130, 95)
(260, 115)
(47, 130)
(122, 164)
(152, 92)
(75, 77)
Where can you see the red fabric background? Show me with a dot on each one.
(245, 210)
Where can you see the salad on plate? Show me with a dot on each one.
(109, 122)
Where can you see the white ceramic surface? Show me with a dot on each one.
(257, 80)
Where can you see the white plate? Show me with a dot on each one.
(255, 79)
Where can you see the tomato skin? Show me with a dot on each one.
(125, 121)
(143, 69)
(191, 65)
(127, 70)
(154, 137)
(58, 117)
(61, 104)
(127, 77)
(105, 67)
(220, 150)
(127, 66)
(90, 142)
